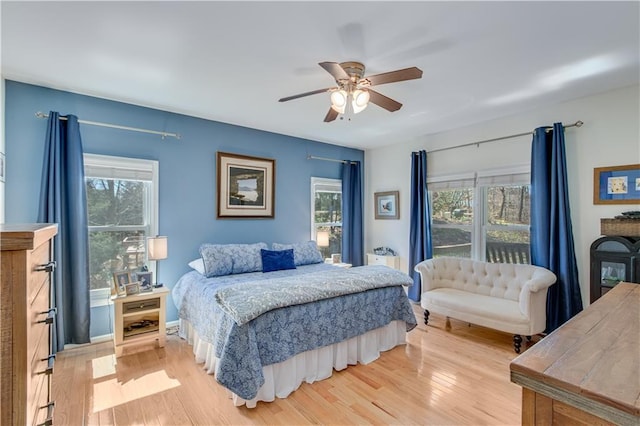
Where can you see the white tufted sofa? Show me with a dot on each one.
(503, 296)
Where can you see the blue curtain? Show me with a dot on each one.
(420, 245)
(352, 231)
(551, 232)
(63, 201)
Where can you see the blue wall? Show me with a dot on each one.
(187, 212)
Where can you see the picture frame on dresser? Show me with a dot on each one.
(145, 279)
(245, 186)
(132, 288)
(616, 184)
(120, 281)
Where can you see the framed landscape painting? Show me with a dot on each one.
(245, 186)
(386, 205)
(616, 185)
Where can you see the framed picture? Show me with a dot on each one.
(246, 186)
(616, 185)
(145, 279)
(133, 288)
(120, 281)
(386, 205)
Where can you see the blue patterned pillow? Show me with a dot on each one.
(277, 260)
(225, 259)
(303, 253)
(246, 257)
(216, 260)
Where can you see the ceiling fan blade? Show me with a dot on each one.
(335, 70)
(383, 101)
(302, 95)
(393, 76)
(331, 115)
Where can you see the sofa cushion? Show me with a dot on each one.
(491, 308)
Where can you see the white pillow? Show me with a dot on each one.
(198, 265)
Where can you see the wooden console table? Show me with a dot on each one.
(588, 370)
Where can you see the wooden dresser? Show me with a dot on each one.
(26, 318)
(587, 372)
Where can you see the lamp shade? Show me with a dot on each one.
(339, 100)
(322, 239)
(157, 248)
(360, 100)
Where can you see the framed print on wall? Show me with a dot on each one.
(386, 205)
(616, 185)
(246, 186)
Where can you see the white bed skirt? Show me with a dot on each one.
(285, 377)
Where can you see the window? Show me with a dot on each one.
(326, 213)
(122, 211)
(482, 216)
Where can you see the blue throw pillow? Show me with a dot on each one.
(277, 260)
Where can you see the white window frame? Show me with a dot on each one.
(112, 167)
(479, 181)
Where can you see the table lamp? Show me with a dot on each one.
(157, 249)
(322, 239)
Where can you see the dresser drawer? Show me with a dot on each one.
(140, 305)
(40, 373)
(39, 275)
(391, 261)
(37, 408)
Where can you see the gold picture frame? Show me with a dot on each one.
(386, 205)
(245, 186)
(132, 288)
(616, 184)
(120, 281)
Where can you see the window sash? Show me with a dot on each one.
(479, 182)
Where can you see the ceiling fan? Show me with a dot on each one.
(353, 91)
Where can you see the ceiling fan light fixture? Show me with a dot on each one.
(360, 100)
(339, 100)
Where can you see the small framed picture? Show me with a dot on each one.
(145, 279)
(386, 205)
(616, 184)
(120, 281)
(132, 288)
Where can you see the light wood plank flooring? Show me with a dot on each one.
(440, 377)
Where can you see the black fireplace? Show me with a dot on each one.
(613, 259)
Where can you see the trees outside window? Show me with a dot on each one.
(484, 218)
(122, 213)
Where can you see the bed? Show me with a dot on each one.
(262, 334)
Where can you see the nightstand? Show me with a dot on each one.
(391, 261)
(140, 318)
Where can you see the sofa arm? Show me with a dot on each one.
(541, 279)
(425, 269)
(533, 294)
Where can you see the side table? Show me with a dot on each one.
(140, 318)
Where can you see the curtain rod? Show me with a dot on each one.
(576, 124)
(311, 157)
(40, 114)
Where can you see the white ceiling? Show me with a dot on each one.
(232, 61)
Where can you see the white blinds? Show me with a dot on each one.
(103, 166)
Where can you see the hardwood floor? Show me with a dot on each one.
(440, 377)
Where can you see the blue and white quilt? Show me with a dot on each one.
(257, 319)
